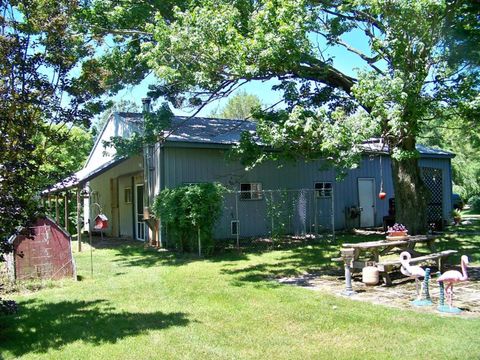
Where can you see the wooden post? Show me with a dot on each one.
(79, 218)
(57, 210)
(66, 210)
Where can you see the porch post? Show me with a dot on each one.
(66, 210)
(79, 219)
(57, 210)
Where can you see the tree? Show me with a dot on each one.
(456, 136)
(62, 159)
(421, 60)
(239, 106)
(40, 50)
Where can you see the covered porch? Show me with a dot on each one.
(115, 189)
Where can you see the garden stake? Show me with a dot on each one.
(199, 243)
(441, 303)
(426, 300)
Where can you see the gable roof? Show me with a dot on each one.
(201, 130)
(187, 131)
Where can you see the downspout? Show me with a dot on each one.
(161, 178)
(147, 178)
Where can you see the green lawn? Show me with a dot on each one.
(143, 304)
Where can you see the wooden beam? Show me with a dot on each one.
(57, 210)
(66, 210)
(79, 219)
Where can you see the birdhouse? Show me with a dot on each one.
(101, 222)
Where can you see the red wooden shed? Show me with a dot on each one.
(45, 254)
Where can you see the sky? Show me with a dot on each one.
(345, 61)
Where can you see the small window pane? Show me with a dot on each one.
(251, 191)
(323, 189)
(127, 195)
(234, 227)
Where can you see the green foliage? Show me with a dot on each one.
(474, 203)
(41, 51)
(241, 106)
(420, 59)
(188, 210)
(456, 134)
(280, 210)
(63, 151)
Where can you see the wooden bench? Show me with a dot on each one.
(385, 266)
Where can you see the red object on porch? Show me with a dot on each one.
(43, 251)
(101, 222)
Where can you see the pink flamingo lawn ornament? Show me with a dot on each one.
(452, 277)
(412, 271)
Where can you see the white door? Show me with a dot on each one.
(139, 223)
(366, 199)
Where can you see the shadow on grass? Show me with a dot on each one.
(464, 243)
(137, 255)
(39, 327)
(314, 259)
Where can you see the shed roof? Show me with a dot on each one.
(14, 236)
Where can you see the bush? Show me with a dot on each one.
(474, 203)
(188, 211)
(8, 307)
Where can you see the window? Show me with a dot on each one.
(323, 189)
(251, 191)
(234, 227)
(127, 195)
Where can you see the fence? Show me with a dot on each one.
(265, 218)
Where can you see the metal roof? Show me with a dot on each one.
(376, 146)
(207, 131)
(225, 131)
(201, 130)
(82, 176)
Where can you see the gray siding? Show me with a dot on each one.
(193, 165)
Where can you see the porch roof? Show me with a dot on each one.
(82, 176)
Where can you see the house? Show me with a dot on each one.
(42, 252)
(196, 152)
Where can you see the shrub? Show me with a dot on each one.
(474, 203)
(188, 211)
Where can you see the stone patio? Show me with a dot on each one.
(466, 295)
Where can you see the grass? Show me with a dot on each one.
(470, 212)
(146, 304)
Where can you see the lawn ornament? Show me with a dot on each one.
(452, 277)
(416, 272)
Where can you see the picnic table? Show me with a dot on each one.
(358, 255)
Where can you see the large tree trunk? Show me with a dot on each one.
(411, 194)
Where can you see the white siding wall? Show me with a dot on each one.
(115, 126)
(101, 193)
